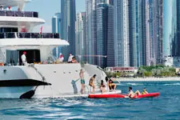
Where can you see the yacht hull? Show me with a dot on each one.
(47, 80)
(13, 92)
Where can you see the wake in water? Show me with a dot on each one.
(172, 84)
(129, 84)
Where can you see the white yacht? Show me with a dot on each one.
(35, 80)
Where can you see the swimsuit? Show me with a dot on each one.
(91, 82)
(82, 81)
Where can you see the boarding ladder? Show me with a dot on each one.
(32, 66)
(2, 57)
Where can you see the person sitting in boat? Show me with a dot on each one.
(144, 91)
(91, 82)
(102, 87)
(111, 85)
(131, 94)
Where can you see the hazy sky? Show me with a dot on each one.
(47, 9)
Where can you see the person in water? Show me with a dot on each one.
(102, 86)
(111, 85)
(91, 83)
(81, 74)
(144, 92)
(131, 94)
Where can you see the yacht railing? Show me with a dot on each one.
(19, 14)
(29, 35)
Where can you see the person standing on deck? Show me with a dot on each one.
(61, 58)
(81, 74)
(91, 82)
(23, 58)
(70, 58)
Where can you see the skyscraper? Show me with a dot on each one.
(155, 31)
(111, 2)
(56, 24)
(145, 32)
(68, 13)
(171, 32)
(80, 35)
(110, 41)
(169, 26)
(104, 30)
(91, 34)
(121, 33)
(135, 32)
(90, 30)
(176, 24)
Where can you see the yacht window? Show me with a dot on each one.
(28, 14)
(9, 13)
(19, 14)
(2, 13)
(10, 35)
(1, 35)
(56, 35)
(34, 35)
(35, 14)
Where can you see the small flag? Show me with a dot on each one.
(41, 29)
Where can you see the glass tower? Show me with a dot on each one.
(80, 35)
(68, 14)
(121, 33)
(56, 24)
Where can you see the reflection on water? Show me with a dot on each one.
(167, 106)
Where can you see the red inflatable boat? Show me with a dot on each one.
(122, 96)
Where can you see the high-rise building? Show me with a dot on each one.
(91, 34)
(168, 32)
(155, 31)
(80, 35)
(171, 32)
(177, 42)
(121, 33)
(102, 33)
(135, 32)
(110, 41)
(90, 30)
(145, 32)
(56, 24)
(176, 29)
(68, 14)
(104, 30)
(111, 2)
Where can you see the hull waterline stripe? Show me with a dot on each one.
(22, 82)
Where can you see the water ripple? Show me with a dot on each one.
(166, 106)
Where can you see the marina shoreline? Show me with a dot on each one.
(148, 79)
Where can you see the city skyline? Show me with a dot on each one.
(123, 32)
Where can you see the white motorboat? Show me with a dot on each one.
(42, 77)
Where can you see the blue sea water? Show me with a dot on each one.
(164, 107)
